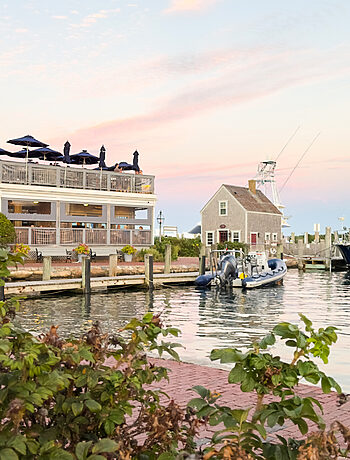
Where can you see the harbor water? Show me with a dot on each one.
(210, 320)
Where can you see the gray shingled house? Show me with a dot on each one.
(241, 214)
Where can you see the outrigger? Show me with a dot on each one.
(230, 268)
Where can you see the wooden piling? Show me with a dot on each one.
(292, 237)
(328, 248)
(300, 254)
(46, 268)
(279, 253)
(202, 265)
(167, 259)
(86, 275)
(306, 238)
(113, 264)
(149, 271)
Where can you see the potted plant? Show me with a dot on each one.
(128, 251)
(82, 249)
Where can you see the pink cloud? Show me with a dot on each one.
(179, 6)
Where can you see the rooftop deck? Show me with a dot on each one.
(21, 173)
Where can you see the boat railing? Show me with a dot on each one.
(12, 172)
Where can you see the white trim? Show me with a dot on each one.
(268, 213)
(273, 236)
(206, 237)
(239, 235)
(226, 208)
(212, 198)
(268, 240)
(246, 228)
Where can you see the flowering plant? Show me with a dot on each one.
(82, 249)
(129, 249)
(21, 248)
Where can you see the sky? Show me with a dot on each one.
(203, 89)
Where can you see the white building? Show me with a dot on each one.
(60, 207)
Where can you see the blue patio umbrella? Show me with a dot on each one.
(84, 158)
(27, 141)
(102, 163)
(4, 152)
(25, 153)
(66, 150)
(47, 154)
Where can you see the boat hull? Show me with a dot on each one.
(276, 272)
(345, 252)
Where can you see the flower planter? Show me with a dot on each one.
(127, 257)
(80, 257)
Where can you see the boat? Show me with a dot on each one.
(344, 248)
(252, 271)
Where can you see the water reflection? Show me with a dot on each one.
(209, 320)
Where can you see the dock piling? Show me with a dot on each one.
(46, 268)
(113, 264)
(167, 259)
(328, 248)
(149, 271)
(300, 254)
(86, 275)
(202, 264)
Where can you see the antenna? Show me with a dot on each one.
(285, 145)
(299, 161)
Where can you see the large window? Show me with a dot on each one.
(223, 208)
(85, 210)
(29, 207)
(124, 212)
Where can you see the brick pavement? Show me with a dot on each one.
(184, 376)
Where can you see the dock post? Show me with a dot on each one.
(202, 260)
(113, 264)
(167, 258)
(279, 253)
(46, 268)
(149, 270)
(328, 248)
(86, 275)
(300, 253)
(292, 237)
(306, 238)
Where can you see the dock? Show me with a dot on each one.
(97, 283)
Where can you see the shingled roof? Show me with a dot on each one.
(257, 202)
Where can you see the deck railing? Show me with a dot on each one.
(12, 172)
(73, 236)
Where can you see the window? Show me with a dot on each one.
(274, 237)
(236, 236)
(210, 238)
(124, 212)
(29, 207)
(86, 210)
(267, 237)
(223, 208)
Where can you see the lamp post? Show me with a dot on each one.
(160, 220)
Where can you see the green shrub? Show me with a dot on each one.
(180, 247)
(233, 245)
(7, 232)
(157, 256)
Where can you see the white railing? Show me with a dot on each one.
(74, 236)
(73, 177)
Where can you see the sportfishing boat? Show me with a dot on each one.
(344, 248)
(229, 269)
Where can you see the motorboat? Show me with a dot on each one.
(229, 269)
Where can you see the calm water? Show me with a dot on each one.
(208, 320)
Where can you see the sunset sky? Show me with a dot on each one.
(203, 89)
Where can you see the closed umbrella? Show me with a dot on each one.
(66, 150)
(4, 152)
(84, 158)
(102, 163)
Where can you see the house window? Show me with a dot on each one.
(267, 237)
(210, 238)
(124, 212)
(274, 237)
(236, 236)
(223, 208)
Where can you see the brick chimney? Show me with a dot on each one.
(252, 186)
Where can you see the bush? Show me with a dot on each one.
(180, 247)
(128, 249)
(7, 232)
(233, 245)
(157, 256)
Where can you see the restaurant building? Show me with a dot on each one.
(59, 207)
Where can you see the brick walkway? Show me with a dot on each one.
(184, 376)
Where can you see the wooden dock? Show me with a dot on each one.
(321, 263)
(98, 283)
